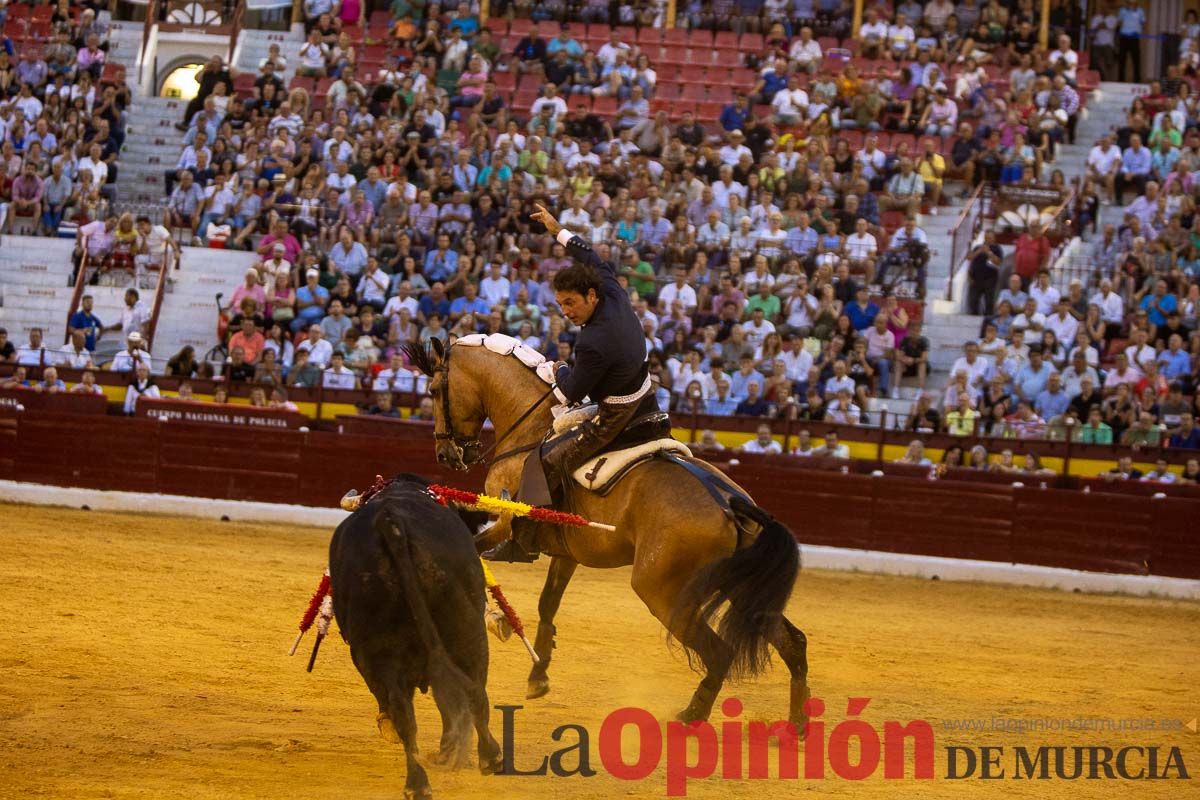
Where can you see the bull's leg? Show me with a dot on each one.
(383, 720)
(792, 645)
(557, 578)
(490, 757)
(449, 692)
(416, 787)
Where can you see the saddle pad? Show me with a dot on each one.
(604, 469)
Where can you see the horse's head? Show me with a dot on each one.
(457, 411)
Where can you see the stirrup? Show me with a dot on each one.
(512, 551)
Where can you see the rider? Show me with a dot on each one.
(610, 368)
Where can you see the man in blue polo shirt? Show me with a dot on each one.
(470, 303)
(435, 302)
(861, 311)
(84, 320)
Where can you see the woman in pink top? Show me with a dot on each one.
(350, 12)
(897, 318)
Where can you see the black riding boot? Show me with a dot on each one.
(521, 547)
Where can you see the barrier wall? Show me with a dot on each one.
(825, 501)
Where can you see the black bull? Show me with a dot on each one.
(408, 594)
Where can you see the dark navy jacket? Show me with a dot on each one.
(610, 349)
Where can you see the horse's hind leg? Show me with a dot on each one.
(716, 656)
(792, 645)
(557, 578)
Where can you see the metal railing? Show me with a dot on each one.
(80, 283)
(238, 16)
(963, 233)
(169, 261)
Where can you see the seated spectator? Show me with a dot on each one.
(141, 385)
(915, 454)
(762, 443)
(830, 448)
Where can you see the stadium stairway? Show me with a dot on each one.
(252, 47)
(152, 146)
(34, 273)
(946, 327)
(189, 310)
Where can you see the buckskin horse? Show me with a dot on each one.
(700, 555)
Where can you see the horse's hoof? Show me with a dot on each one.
(691, 714)
(420, 793)
(494, 766)
(536, 689)
(442, 757)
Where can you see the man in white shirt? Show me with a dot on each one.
(757, 328)
(1123, 372)
(1063, 323)
(873, 34)
(398, 378)
(1140, 352)
(134, 353)
(762, 443)
(74, 354)
(1029, 318)
(726, 186)
(1103, 163)
(1068, 57)
(319, 351)
(790, 104)
(1043, 294)
(549, 98)
(403, 299)
(732, 153)
(805, 51)
(873, 159)
(798, 313)
(94, 163)
(900, 37)
(1112, 308)
(337, 376)
(678, 290)
(35, 353)
(373, 285)
(576, 218)
(862, 248)
(971, 364)
(607, 54)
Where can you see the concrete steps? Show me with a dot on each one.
(34, 272)
(189, 312)
(254, 44)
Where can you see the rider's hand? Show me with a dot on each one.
(546, 218)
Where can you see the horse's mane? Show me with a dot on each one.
(418, 356)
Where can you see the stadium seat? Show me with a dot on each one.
(605, 107)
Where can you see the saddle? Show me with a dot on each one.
(644, 438)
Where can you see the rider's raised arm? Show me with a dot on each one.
(580, 250)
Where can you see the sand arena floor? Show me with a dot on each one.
(144, 657)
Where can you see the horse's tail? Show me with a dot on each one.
(752, 585)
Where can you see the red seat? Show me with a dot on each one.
(679, 36)
(497, 25)
(548, 28)
(604, 106)
(709, 111)
(908, 138)
(700, 75)
(520, 27)
(680, 106)
(853, 138)
(505, 82)
(677, 56)
(301, 82)
(752, 43)
(892, 221)
(696, 92)
(355, 32)
(744, 78)
(827, 42)
(726, 40)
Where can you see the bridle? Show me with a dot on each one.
(443, 369)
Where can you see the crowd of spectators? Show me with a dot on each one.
(62, 115)
(763, 202)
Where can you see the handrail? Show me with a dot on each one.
(80, 282)
(163, 274)
(151, 20)
(239, 12)
(956, 256)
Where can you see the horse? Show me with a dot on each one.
(696, 554)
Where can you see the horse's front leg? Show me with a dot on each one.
(557, 578)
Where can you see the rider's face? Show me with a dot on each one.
(576, 307)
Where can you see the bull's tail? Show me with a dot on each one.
(400, 551)
(752, 586)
